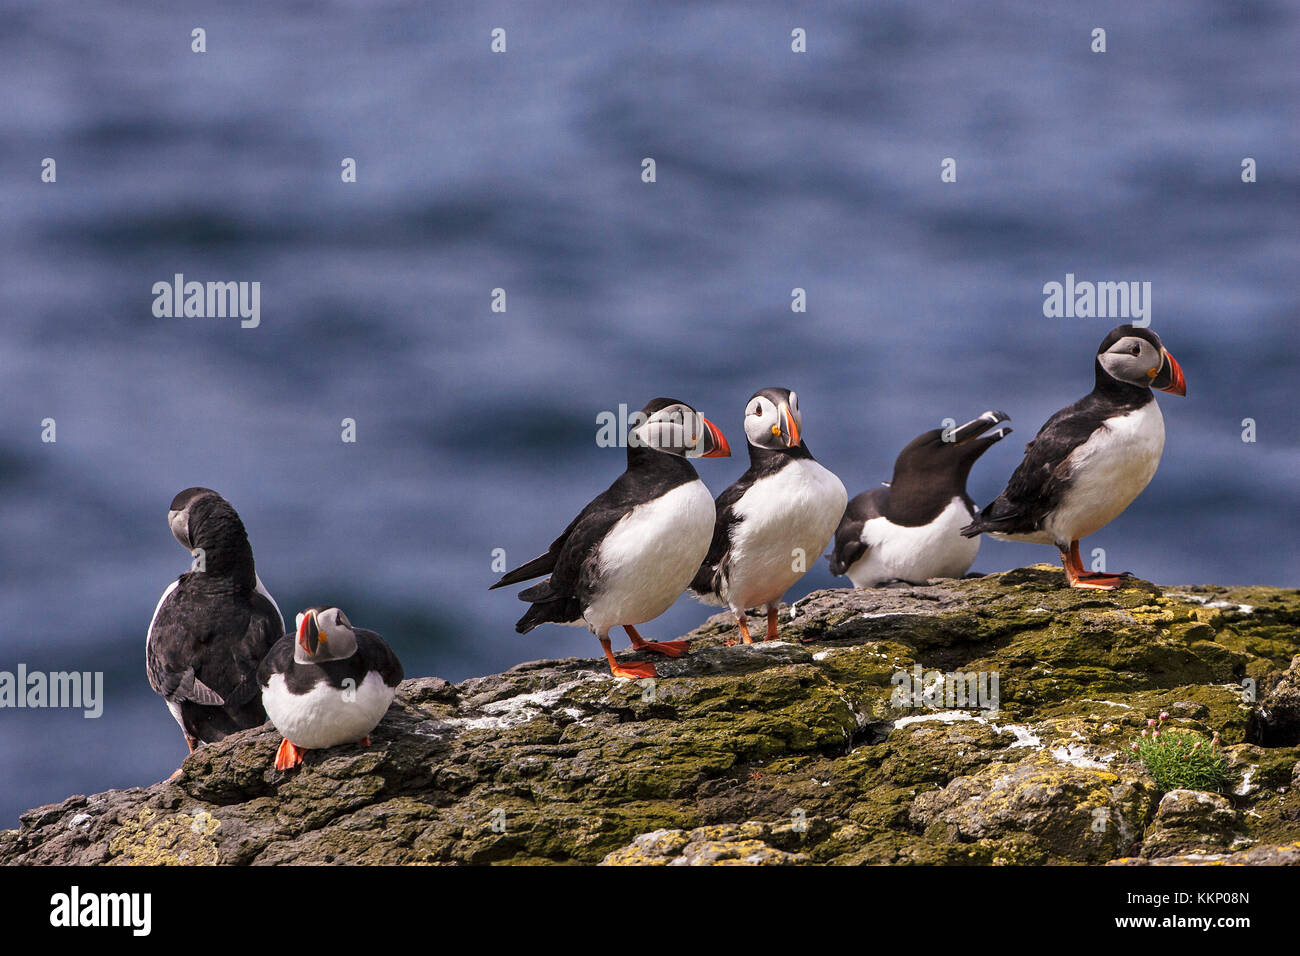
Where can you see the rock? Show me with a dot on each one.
(1288, 855)
(798, 751)
(1191, 821)
(704, 846)
(1277, 720)
(1055, 811)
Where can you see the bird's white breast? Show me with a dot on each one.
(787, 519)
(899, 553)
(326, 716)
(650, 556)
(1107, 472)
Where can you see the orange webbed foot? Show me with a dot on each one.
(1099, 582)
(288, 756)
(633, 670)
(667, 648)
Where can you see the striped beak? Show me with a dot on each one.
(713, 443)
(1169, 377)
(788, 430)
(309, 634)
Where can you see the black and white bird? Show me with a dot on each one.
(774, 520)
(1091, 459)
(910, 530)
(213, 625)
(633, 550)
(327, 684)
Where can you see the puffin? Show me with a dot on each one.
(910, 530)
(213, 625)
(327, 684)
(782, 510)
(632, 551)
(1091, 459)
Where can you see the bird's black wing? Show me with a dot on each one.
(1035, 487)
(264, 630)
(849, 548)
(571, 559)
(374, 650)
(277, 660)
(600, 514)
(713, 570)
(206, 650)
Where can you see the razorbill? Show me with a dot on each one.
(632, 551)
(1091, 459)
(910, 530)
(327, 684)
(775, 520)
(213, 624)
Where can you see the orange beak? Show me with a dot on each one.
(309, 635)
(717, 442)
(1170, 377)
(789, 427)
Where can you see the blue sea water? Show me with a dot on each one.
(522, 171)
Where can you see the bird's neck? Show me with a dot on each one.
(1116, 392)
(642, 458)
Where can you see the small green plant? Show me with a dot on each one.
(1181, 759)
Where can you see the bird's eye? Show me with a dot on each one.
(1136, 350)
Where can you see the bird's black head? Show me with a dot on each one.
(178, 514)
(203, 521)
(1135, 357)
(940, 460)
(675, 428)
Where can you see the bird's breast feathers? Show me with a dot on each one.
(1106, 472)
(648, 558)
(916, 554)
(785, 521)
(326, 716)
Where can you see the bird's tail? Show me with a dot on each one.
(532, 617)
(996, 516)
(542, 564)
(837, 566)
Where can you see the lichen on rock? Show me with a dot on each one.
(792, 752)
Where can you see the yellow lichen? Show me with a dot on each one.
(177, 839)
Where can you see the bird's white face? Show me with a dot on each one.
(324, 634)
(773, 423)
(1134, 360)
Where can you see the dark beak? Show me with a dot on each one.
(309, 635)
(973, 429)
(1170, 377)
(789, 430)
(715, 443)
